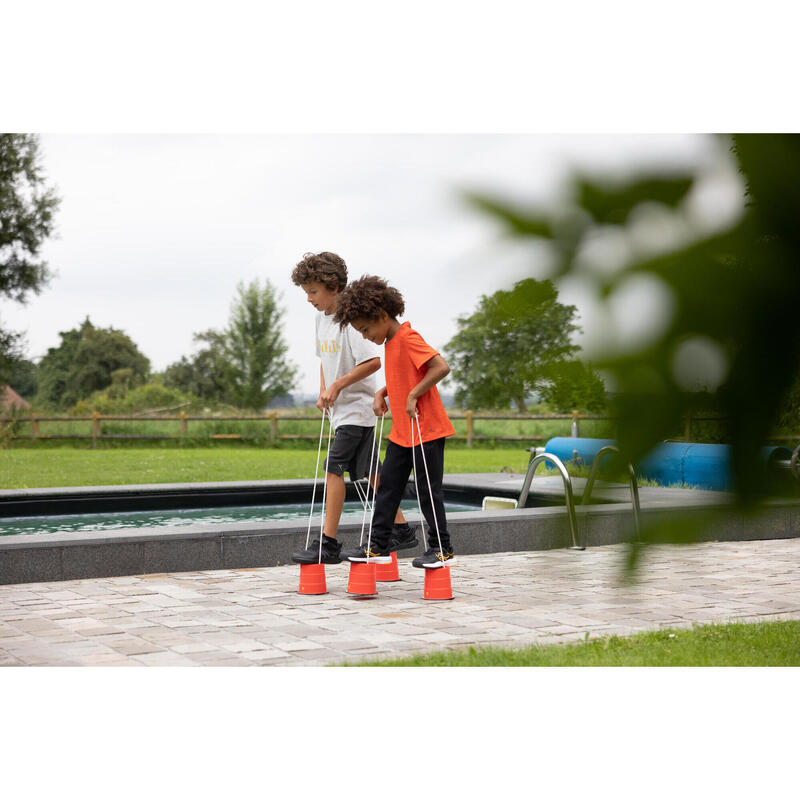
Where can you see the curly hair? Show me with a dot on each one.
(367, 298)
(325, 268)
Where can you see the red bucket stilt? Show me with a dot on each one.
(361, 579)
(312, 579)
(388, 572)
(437, 584)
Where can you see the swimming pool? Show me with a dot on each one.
(353, 511)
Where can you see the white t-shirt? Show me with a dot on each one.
(340, 350)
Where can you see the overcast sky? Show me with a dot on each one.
(155, 231)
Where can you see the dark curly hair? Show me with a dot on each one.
(366, 298)
(325, 268)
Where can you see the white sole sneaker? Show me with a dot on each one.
(449, 563)
(373, 560)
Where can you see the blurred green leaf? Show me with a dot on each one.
(611, 205)
(521, 223)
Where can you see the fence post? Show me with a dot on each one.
(575, 433)
(469, 428)
(95, 427)
(35, 427)
(273, 427)
(687, 426)
(183, 423)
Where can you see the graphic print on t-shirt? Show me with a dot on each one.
(328, 346)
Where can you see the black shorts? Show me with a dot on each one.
(351, 450)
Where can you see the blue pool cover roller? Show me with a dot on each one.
(706, 466)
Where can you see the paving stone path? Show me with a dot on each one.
(256, 616)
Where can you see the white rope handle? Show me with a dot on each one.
(325, 486)
(374, 489)
(369, 475)
(360, 492)
(316, 475)
(427, 477)
(374, 458)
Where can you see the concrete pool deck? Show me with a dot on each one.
(255, 616)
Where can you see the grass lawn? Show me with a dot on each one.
(69, 466)
(760, 644)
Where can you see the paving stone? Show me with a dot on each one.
(196, 647)
(134, 647)
(270, 655)
(105, 660)
(258, 618)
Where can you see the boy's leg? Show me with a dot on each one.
(394, 477)
(346, 444)
(399, 519)
(360, 468)
(342, 448)
(334, 501)
(434, 459)
(331, 549)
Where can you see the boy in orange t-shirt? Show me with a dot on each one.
(413, 368)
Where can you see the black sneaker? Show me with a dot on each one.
(403, 538)
(434, 558)
(373, 554)
(331, 553)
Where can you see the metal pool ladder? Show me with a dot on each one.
(634, 484)
(587, 492)
(556, 461)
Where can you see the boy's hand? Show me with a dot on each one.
(411, 407)
(319, 403)
(328, 397)
(379, 406)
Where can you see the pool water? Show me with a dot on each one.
(353, 511)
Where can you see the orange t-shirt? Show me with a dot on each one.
(405, 356)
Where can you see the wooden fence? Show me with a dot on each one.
(273, 419)
(14, 423)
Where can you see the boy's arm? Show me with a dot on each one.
(321, 388)
(379, 403)
(437, 369)
(363, 370)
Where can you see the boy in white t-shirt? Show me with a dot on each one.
(346, 388)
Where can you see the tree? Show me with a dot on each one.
(255, 349)
(86, 361)
(11, 354)
(23, 379)
(507, 349)
(54, 368)
(26, 220)
(205, 373)
(574, 385)
(244, 364)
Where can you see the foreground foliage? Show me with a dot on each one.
(724, 299)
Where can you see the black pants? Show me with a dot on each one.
(396, 468)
